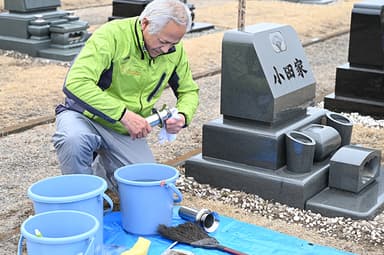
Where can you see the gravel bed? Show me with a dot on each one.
(360, 231)
(29, 156)
(356, 118)
(367, 121)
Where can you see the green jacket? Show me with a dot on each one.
(114, 72)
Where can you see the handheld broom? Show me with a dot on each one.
(192, 234)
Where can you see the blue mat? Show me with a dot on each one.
(244, 237)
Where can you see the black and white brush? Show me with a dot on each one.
(192, 234)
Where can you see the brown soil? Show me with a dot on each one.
(29, 89)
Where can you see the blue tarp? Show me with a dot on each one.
(241, 236)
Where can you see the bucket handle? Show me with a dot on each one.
(110, 202)
(177, 192)
(87, 252)
(89, 249)
(20, 246)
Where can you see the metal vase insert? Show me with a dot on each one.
(206, 218)
(300, 152)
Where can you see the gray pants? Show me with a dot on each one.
(77, 138)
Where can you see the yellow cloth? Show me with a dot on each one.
(139, 248)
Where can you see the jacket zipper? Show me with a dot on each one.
(156, 89)
(141, 103)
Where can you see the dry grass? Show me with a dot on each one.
(21, 81)
(368, 138)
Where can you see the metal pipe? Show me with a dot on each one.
(207, 219)
(159, 117)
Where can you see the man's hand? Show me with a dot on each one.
(136, 125)
(174, 125)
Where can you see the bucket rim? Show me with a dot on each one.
(59, 240)
(70, 198)
(146, 183)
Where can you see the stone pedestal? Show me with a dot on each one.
(247, 142)
(278, 185)
(360, 83)
(336, 202)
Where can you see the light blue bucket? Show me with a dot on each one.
(63, 232)
(147, 196)
(79, 192)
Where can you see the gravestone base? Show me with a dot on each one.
(28, 46)
(248, 143)
(363, 205)
(67, 54)
(38, 48)
(278, 185)
(349, 104)
(357, 90)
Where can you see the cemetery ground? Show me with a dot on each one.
(31, 87)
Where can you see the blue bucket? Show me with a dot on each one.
(146, 193)
(80, 192)
(63, 232)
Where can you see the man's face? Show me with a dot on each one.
(161, 42)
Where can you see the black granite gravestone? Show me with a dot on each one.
(127, 8)
(271, 142)
(266, 87)
(360, 83)
(132, 8)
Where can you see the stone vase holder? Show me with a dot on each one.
(352, 168)
(300, 152)
(327, 139)
(342, 124)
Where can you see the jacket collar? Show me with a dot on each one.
(139, 37)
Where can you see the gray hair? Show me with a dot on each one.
(160, 12)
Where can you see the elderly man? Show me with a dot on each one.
(114, 84)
